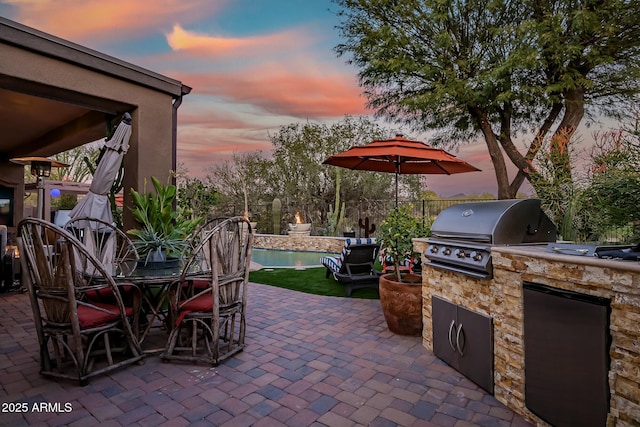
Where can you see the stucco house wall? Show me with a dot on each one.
(36, 63)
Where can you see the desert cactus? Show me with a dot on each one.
(365, 226)
(336, 212)
(276, 211)
(336, 218)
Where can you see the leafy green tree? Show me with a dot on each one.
(397, 232)
(556, 186)
(195, 197)
(494, 68)
(601, 202)
(294, 172)
(297, 172)
(245, 172)
(611, 199)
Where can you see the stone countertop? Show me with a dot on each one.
(538, 251)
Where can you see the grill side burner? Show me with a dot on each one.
(617, 252)
(463, 234)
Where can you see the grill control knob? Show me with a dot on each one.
(446, 251)
(434, 249)
(477, 256)
(460, 253)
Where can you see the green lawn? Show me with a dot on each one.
(310, 280)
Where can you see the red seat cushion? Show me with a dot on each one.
(196, 285)
(200, 283)
(105, 293)
(89, 317)
(199, 304)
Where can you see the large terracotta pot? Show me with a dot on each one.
(402, 303)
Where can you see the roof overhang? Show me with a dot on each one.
(40, 119)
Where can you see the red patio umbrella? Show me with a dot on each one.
(400, 156)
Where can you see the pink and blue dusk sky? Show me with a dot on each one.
(254, 65)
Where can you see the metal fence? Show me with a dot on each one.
(361, 216)
(364, 216)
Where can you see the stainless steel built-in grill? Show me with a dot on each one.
(462, 235)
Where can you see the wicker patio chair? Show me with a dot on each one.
(80, 335)
(200, 233)
(118, 255)
(208, 301)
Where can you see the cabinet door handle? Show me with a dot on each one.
(460, 347)
(451, 327)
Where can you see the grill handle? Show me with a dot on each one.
(467, 237)
(451, 327)
(460, 332)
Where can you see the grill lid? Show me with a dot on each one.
(495, 222)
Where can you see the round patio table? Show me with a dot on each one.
(153, 284)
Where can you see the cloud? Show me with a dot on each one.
(113, 20)
(288, 73)
(284, 73)
(199, 149)
(199, 44)
(212, 118)
(287, 92)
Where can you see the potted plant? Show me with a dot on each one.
(163, 236)
(401, 292)
(348, 229)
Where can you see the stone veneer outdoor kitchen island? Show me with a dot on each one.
(501, 298)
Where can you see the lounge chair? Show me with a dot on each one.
(333, 264)
(356, 269)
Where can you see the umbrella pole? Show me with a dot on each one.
(397, 162)
(396, 189)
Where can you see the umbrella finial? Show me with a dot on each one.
(126, 118)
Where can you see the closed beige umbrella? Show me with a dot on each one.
(96, 203)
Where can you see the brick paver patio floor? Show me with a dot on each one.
(309, 361)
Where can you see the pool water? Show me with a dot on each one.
(270, 258)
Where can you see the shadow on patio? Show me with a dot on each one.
(309, 361)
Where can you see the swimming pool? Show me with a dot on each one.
(276, 258)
